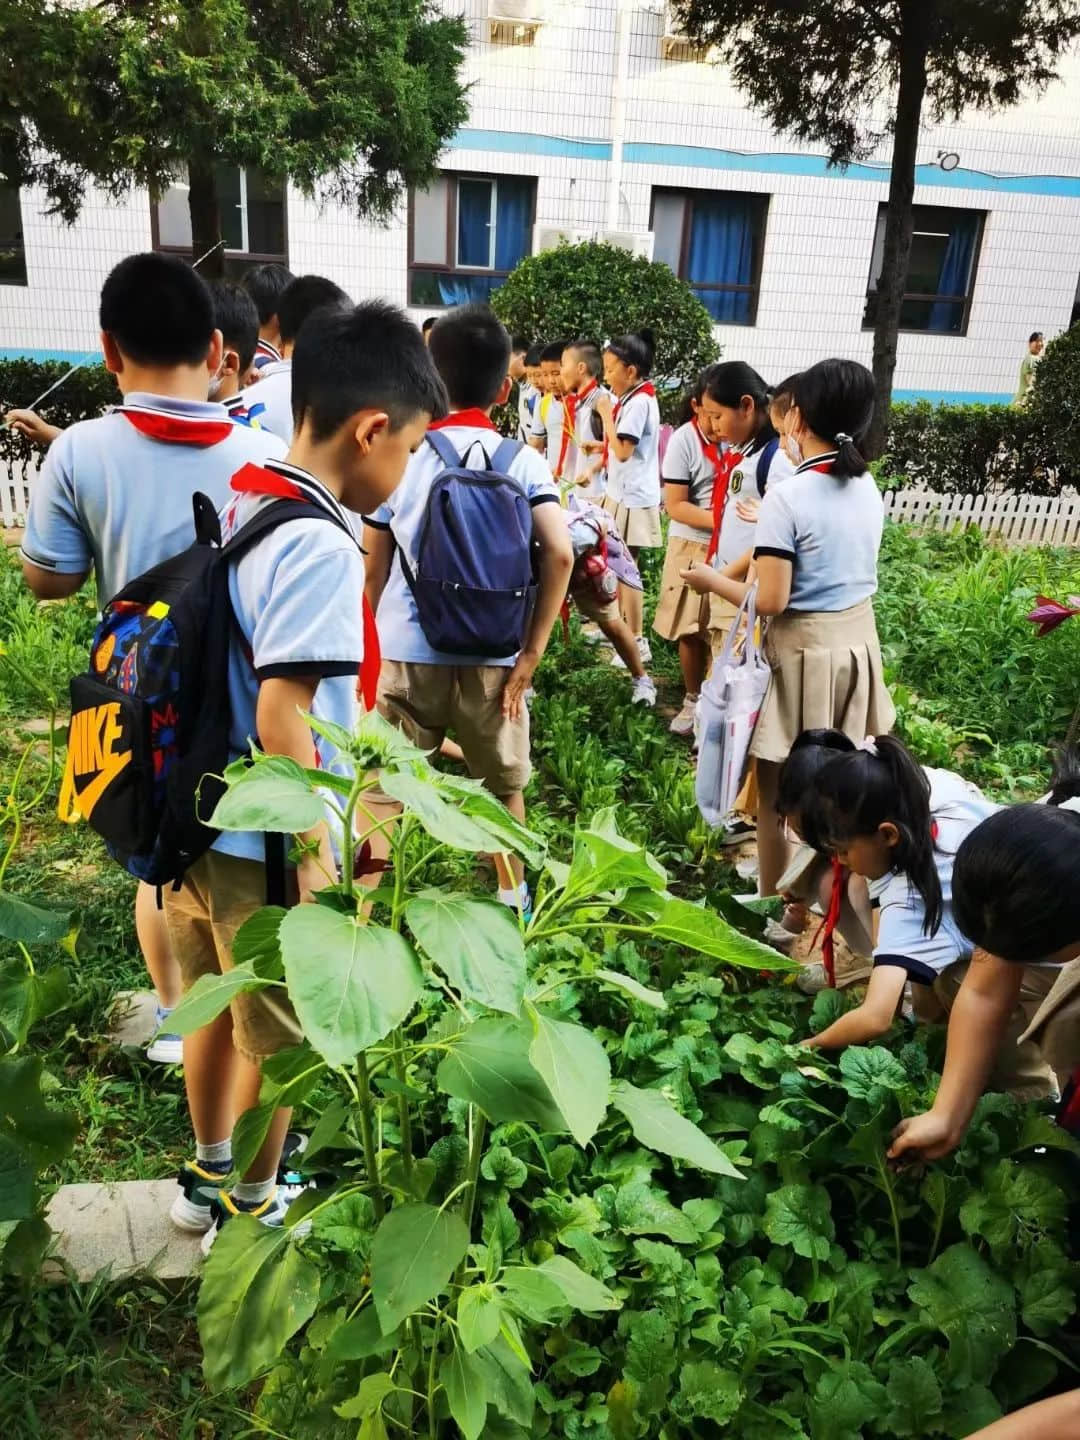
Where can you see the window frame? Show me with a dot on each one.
(918, 295)
(453, 179)
(249, 257)
(762, 199)
(24, 283)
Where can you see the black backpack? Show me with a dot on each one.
(149, 736)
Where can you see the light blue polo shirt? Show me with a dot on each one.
(273, 391)
(635, 481)
(400, 634)
(112, 499)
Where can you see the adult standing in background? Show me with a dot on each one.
(1036, 346)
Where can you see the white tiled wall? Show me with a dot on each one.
(545, 97)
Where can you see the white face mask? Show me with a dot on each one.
(793, 448)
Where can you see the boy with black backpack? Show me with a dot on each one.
(363, 391)
(462, 623)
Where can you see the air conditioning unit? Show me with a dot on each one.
(674, 43)
(550, 237)
(513, 22)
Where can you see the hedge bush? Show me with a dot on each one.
(597, 290)
(968, 449)
(1053, 405)
(86, 394)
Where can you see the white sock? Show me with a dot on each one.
(517, 897)
(219, 1154)
(165, 1010)
(254, 1192)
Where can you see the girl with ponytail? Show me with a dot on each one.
(632, 458)
(882, 816)
(815, 556)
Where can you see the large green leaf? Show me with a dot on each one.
(442, 820)
(212, 994)
(657, 1124)
(870, 1072)
(575, 1068)
(30, 922)
(476, 943)
(531, 1293)
(257, 943)
(972, 1305)
(44, 1133)
(415, 1251)
(476, 800)
(490, 1067)
(581, 1291)
(479, 1316)
(641, 993)
(1013, 1203)
(695, 927)
(16, 1181)
(350, 983)
(257, 1290)
(800, 1216)
(914, 1398)
(465, 1383)
(604, 860)
(641, 1209)
(26, 998)
(846, 1398)
(709, 1391)
(272, 794)
(288, 1078)
(507, 1381)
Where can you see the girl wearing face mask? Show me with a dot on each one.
(816, 551)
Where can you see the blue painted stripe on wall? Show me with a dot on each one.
(69, 357)
(700, 157)
(955, 397)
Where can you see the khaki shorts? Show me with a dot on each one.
(425, 701)
(591, 607)
(680, 611)
(639, 526)
(721, 614)
(219, 893)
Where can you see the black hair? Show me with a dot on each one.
(857, 791)
(429, 324)
(158, 310)
(519, 345)
(694, 394)
(532, 358)
(780, 395)
(367, 357)
(237, 318)
(266, 284)
(302, 298)
(552, 352)
(638, 349)
(1035, 335)
(729, 381)
(471, 351)
(810, 754)
(836, 401)
(590, 354)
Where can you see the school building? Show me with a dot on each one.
(599, 119)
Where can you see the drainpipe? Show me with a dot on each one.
(623, 19)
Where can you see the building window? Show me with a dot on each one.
(12, 248)
(252, 218)
(713, 240)
(941, 272)
(466, 233)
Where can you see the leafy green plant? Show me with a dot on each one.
(82, 397)
(597, 291)
(439, 1016)
(970, 449)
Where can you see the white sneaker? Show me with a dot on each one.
(165, 1048)
(683, 724)
(644, 653)
(643, 692)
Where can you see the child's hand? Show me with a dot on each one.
(30, 424)
(810, 1043)
(602, 407)
(748, 510)
(591, 447)
(700, 578)
(923, 1137)
(518, 681)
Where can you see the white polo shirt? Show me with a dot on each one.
(635, 482)
(737, 535)
(582, 459)
(527, 397)
(830, 530)
(547, 425)
(118, 501)
(298, 597)
(400, 634)
(687, 466)
(957, 807)
(273, 392)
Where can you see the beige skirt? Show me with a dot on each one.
(681, 611)
(639, 527)
(827, 673)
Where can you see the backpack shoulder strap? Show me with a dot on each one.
(442, 447)
(765, 460)
(505, 456)
(270, 517)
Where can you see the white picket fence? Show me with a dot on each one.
(15, 494)
(1015, 519)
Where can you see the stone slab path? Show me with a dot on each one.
(124, 1228)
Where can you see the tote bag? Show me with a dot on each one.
(731, 700)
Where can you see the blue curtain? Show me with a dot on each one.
(722, 253)
(946, 316)
(461, 289)
(513, 215)
(474, 222)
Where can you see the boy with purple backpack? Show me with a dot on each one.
(462, 625)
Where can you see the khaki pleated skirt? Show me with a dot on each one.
(827, 673)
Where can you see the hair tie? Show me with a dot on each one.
(870, 746)
(843, 439)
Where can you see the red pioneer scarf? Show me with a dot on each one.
(467, 419)
(258, 480)
(723, 465)
(571, 402)
(174, 428)
(645, 388)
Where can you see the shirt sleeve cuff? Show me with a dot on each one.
(623, 435)
(324, 669)
(776, 551)
(916, 969)
(543, 500)
(375, 524)
(59, 567)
